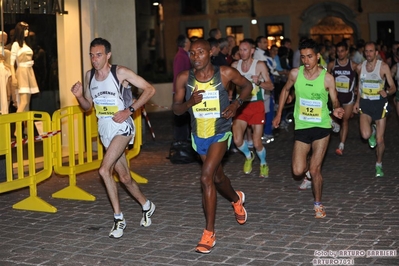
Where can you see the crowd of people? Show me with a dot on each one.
(325, 83)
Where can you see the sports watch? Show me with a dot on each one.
(131, 109)
(240, 101)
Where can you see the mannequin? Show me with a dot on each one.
(24, 76)
(5, 74)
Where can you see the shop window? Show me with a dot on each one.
(198, 32)
(274, 34)
(236, 31)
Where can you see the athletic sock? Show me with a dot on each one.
(146, 205)
(244, 149)
(341, 146)
(118, 216)
(262, 156)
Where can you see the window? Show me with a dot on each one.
(236, 31)
(274, 34)
(386, 31)
(198, 32)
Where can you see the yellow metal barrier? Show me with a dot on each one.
(81, 128)
(29, 172)
(76, 150)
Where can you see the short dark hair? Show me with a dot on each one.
(342, 44)
(213, 42)
(371, 43)
(237, 48)
(213, 32)
(181, 40)
(309, 44)
(101, 41)
(285, 40)
(258, 39)
(249, 41)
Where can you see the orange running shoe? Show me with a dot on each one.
(207, 242)
(339, 152)
(239, 210)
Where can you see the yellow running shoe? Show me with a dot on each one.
(248, 164)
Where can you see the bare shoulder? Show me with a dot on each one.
(234, 64)
(294, 72)
(261, 64)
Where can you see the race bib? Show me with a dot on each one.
(209, 107)
(371, 91)
(342, 84)
(310, 110)
(105, 107)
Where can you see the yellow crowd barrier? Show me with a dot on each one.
(75, 150)
(29, 172)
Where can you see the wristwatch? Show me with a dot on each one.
(240, 101)
(131, 109)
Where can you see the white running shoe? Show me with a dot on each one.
(306, 183)
(335, 126)
(146, 220)
(117, 228)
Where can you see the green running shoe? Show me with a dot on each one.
(378, 171)
(372, 140)
(248, 164)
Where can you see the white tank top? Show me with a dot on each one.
(257, 93)
(371, 82)
(106, 97)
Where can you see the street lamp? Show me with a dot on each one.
(253, 14)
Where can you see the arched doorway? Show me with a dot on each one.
(332, 29)
(337, 20)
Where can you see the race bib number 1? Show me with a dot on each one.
(209, 107)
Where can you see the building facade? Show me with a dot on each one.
(322, 20)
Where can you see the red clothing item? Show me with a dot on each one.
(181, 62)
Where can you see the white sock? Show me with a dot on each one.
(146, 205)
(341, 146)
(118, 216)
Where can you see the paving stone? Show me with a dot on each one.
(362, 211)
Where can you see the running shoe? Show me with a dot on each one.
(146, 220)
(306, 183)
(339, 152)
(378, 171)
(207, 242)
(266, 139)
(239, 209)
(372, 140)
(248, 164)
(264, 170)
(335, 126)
(319, 211)
(117, 228)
